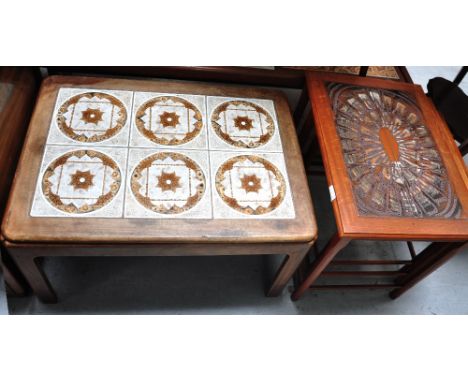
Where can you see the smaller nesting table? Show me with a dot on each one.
(393, 170)
(143, 168)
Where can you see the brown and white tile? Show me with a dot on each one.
(81, 182)
(172, 121)
(243, 124)
(168, 184)
(91, 117)
(250, 186)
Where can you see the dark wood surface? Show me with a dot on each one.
(14, 281)
(19, 226)
(18, 89)
(242, 75)
(279, 76)
(17, 97)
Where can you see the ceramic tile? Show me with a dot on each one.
(172, 121)
(168, 184)
(243, 124)
(90, 116)
(155, 155)
(250, 185)
(81, 182)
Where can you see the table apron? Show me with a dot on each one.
(163, 249)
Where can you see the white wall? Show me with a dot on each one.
(422, 74)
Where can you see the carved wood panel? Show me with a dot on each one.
(391, 159)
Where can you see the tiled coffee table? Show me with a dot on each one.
(144, 168)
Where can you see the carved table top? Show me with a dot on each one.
(146, 160)
(391, 163)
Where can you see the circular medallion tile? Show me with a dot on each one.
(91, 117)
(168, 183)
(169, 120)
(242, 124)
(81, 181)
(250, 184)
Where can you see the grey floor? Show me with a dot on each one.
(3, 298)
(235, 284)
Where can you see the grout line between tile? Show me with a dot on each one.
(124, 201)
(37, 189)
(128, 147)
(209, 157)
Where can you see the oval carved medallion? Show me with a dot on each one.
(392, 161)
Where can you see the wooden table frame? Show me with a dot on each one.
(413, 271)
(14, 284)
(350, 225)
(279, 76)
(19, 90)
(28, 238)
(26, 256)
(303, 119)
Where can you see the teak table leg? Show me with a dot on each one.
(336, 244)
(286, 271)
(301, 107)
(421, 261)
(36, 278)
(10, 280)
(438, 254)
(25, 257)
(10, 275)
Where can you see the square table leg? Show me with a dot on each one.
(335, 245)
(36, 278)
(14, 286)
(429, 260)
(286, 270)
(26, 257)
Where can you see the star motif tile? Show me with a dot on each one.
(88, 117)
(173, 121)
(81, 182)
(143, 155)
(238, 124)
(168, 184)
(249, 185)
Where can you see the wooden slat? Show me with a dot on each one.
(411, 249)
(370, 262)
(353, 286)
(363, 273)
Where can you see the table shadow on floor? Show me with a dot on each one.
(154, 285)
